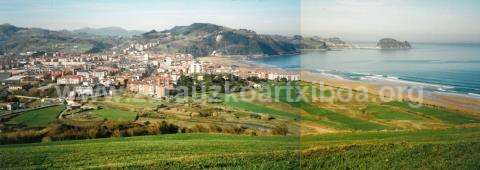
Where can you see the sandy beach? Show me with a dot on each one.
(436, 99)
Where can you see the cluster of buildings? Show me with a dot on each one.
(150, 74)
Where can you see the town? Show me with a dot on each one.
(42, 79)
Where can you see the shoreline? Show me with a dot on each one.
(447, 100)
(451, 101)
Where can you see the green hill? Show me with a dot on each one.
(17, 40)
(425, 150)
(201, 39)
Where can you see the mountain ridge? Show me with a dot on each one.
(198, 39)
(20, 39)
(109, 31)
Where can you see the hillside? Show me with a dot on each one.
(201, 39)
(358, 150)
(17, 39)
(198, 39)
(109, 31)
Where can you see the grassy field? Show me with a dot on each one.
(321, 115)
(37, 118)
(388, 113)
(457, 148)
(110, 113)
(441, 114)
(131, 101)
(259, 108)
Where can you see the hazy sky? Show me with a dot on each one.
(413, 20)
(352, 20)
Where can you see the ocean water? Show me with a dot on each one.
(442, 67)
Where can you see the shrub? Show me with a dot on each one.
(255, 116)
(280, 130)
(129, 132)
(116, 133)
(92, 132)
(137, 131)
(168, 128)
(61, 131)
(28, 136)
(205, 114)
(267, 117)
(198, 128)
(153, 128)
(214, 128)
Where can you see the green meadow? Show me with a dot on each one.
(37, 118)
(110, 113)
(441, 114)
(422, 149)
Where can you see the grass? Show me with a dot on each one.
(459, 155)
(258, 108)
(321, 115)
(387, 113)
(444, 115)
(142, 102)
(37, 118)
(166, 151)
(341, 121)
(455, 148)
(110, 113)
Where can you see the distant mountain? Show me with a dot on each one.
(198, 39)
(109, 31)
(390, 43)
(202, 39)
(17, 39)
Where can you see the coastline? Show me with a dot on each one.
(447, 100)
(450, 101)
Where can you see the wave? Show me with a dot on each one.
(379, 77)
(453, 89)
(474, 95)
(328, 74)
(388, 79)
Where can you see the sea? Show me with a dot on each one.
(441, 67)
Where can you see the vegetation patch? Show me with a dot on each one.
(449, 149)
(259, 108)
(462, 155)
(37, 118)
(110, 113)
(319, 115)
(388, 113)
(442, 114)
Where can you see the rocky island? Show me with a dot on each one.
(390, 43)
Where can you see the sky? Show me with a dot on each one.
(412, 20)
(351, 20)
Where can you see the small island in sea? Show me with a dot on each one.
(390, 43)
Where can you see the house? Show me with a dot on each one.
(195, 67)
(155, 86)
(11, 106)
(70, 80)
(13, 80)
(288, 76)
(14, 87)
(99, 74)
(84, 90)
(85, 74)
